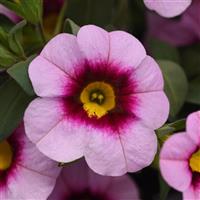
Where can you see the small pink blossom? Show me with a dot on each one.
(101, 97)
(77, 181)
(49, 7)
(180, 159)
(177, 32)
(8, 13)
(168, 8)
(30, 175)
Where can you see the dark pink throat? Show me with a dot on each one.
(121, 81)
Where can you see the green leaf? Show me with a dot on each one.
(190, 60)
(6, 57)
(194, 91)
(70, 27)
(164, 189)
(13, 103)
(15, 37)
(90, 11)
(121, 8)
(3, 37)
(31, 10)
(19, 72)
(176, 85)
(161, 50)
(171, 128)
(165, 130)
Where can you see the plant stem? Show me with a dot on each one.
(61, 18)
(41, 32)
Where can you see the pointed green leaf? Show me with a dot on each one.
(15, 37)
(176, 85)
(6, 57)
(19, 72)
(13, 103)
(70, 27)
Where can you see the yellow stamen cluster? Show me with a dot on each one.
(195, 162)
(98, 98)
(6, 155)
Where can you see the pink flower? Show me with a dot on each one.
(177, 32)
(25, 173)
(8, 13)
(168, 8)
(51, 8)
(100, 96)
(180, 159)
(77, 181)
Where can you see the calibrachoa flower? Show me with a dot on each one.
(25, 173)
(51, 10)
(78, 182)
(177, 32)
(8, 13)
(168, 8)
(180, 159)
(101, 97)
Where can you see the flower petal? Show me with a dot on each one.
(168, 8)
(60, 190)
(123, 188)
(192, 193)
(55, 135)
(139, 145)
(63, 51)
(178, 147)
(176, 173)
(94, 43)
(119, 187)
(104, 154)
(34, 160)
(148, 76)
(8, 13)
(73, 177)
(152, 108)
(128, 53)
(174, 161)
(41, 116)
(193, 128)
(77, 177)
(115, 154)
(177, 33)
(47, 79)
(65, 142)
(29, 184)
(35, 175)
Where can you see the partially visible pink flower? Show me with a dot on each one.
(50, 7)
(8, 13)
(100, 96)
(168, 8)
(25, 173)
(78, 182)
(180, 159)
(177, 32)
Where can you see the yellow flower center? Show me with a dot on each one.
(98, 98)
(195, 162)
(6, 155)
